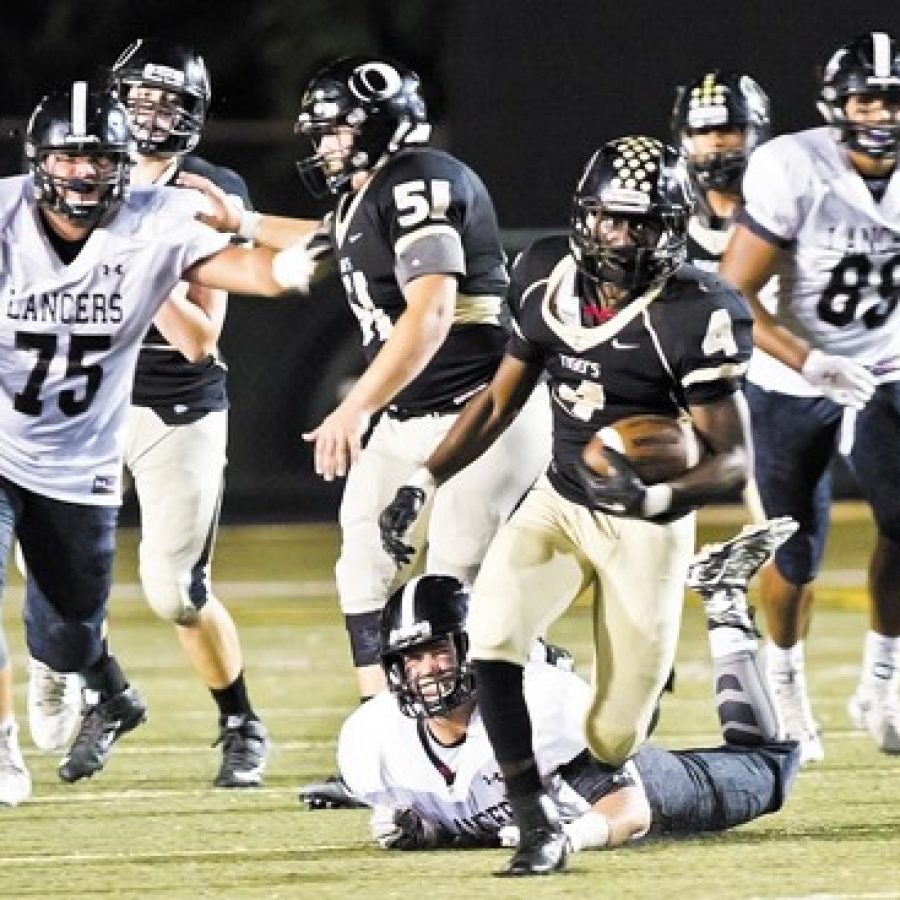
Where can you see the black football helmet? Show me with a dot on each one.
(164, 127)
(720, 100)
(81, 122)
(426, 611)
(869, 65)
(377, 99)
(644, 183)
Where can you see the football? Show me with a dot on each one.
(659, 447)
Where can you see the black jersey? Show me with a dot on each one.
(686, 343)
(180, 391)
(424, 212)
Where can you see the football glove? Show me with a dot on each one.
(399, 517)
(620, 494)
(405, 829)
(840, 379)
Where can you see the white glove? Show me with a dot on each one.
(404, 829)
(839, 379)
(589, 831)
(293, 267)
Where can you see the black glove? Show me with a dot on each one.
(619, 494)
(396, 521)
(405, 829)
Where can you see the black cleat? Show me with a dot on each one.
(332, 793)
(245, 751)
(543, 845)
(101, 726)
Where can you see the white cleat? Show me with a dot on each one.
(878, 713)
(15, 782)
(54, 705)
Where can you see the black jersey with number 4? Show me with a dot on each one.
(180, 391)
(424, 212)
(684, 344)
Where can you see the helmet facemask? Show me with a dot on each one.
(434, 694)
(164, 122)
(877, 141)
(628, 250)
(102, 193)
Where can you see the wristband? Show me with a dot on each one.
(424, 480)
(657, 500)
(589, 831)
(248, 226)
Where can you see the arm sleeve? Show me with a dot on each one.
(424, 202)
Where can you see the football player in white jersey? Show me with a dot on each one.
(817, 252)
(177, 426)
(620, 326)
(420, 756)
(718, 120)
(87, 265)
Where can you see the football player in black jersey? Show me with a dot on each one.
(620, 326)
(177, 427)
(717, 122)
(415, 239)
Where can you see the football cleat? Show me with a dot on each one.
(877, 712)
(15, 782)
(245, 751)
(54, 705)
(102, 724)
(332, 793)
(734, 562)
(543, 845)
(721, 572)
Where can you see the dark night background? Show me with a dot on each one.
(522, 91)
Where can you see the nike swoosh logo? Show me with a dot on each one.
(618, 345)
(354, 237)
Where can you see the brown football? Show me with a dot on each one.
(659, 447)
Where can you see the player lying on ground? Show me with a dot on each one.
(420, 757)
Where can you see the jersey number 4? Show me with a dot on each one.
(28, 400)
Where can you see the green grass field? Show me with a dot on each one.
(151, 825)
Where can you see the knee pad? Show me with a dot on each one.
(68, 646)
(365, 638)
(170, 600)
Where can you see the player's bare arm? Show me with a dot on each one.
(191, 320)
(416, 336)
(277, 232)
(239, 270)
(748, 263)
(485, 417)
(724, 427)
